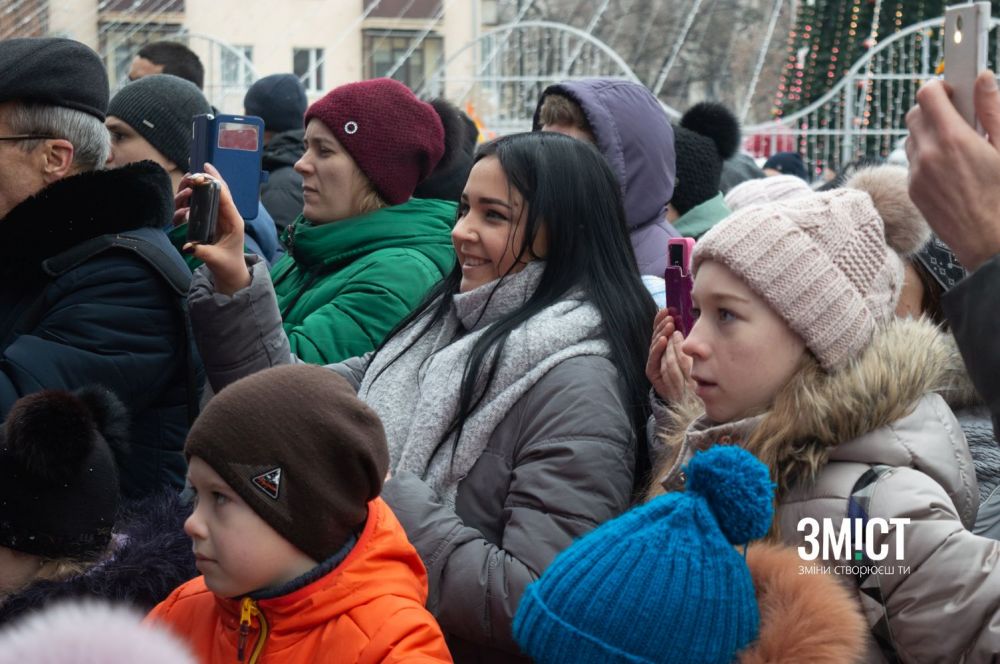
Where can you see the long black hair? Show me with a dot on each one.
(568, 186)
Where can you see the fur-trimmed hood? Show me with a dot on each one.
(81, 207)
(153, 556)
(803, 617)
(817, 412)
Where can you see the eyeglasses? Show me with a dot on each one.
(25, 137)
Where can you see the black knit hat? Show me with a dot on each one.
(942, 263)
(55, 71)
(58, 478)
(160, 108)
(788, 163)
(300, 448)
(708, 135)
(279, 100)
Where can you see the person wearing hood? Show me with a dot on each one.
(631, 129)
(151, 119)
(301, 560)
(798, 357)
(707, 136)
(64, 530)
(280, 101)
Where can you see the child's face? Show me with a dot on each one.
(236, 550)
(743, 352)
(489, 233)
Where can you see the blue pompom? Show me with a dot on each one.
(738, 489)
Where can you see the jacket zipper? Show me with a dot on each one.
(248, 609)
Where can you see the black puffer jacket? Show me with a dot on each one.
(82, 303)
(282, 193)
(152, 557)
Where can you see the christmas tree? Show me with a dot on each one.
(828, 38)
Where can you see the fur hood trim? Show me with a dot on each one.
(803, 617)
(816, 411)
(85, 206)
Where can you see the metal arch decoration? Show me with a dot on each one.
(477, 88)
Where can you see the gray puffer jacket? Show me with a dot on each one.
(560, 463)
(942, 592)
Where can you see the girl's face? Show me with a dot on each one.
(489, 232)
(332, 184)
(743, 352)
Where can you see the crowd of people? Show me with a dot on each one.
(429, 404)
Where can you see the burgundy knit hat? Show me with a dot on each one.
(394, 138)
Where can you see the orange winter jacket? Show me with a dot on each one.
(368, 609)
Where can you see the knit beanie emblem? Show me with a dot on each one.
(661, 583)
(269, 482)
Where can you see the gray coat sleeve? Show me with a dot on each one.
(240, 334)
(572, 469)
(973, 310)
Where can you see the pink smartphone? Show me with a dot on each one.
(679, 282)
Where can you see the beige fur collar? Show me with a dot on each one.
(817, 411)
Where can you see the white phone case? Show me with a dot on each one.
(966, 37)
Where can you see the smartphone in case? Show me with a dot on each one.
(679, 282)
(203, 216)
(234, 144)
(966, 38)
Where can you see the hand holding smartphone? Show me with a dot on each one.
(966, 37)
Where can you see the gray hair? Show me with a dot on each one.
(90, 138)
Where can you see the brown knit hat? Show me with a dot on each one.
(300, 448)
(829, 264)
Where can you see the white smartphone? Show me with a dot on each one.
(966, 37)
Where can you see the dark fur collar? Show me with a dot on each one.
(84, 206)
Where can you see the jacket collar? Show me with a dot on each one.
(329, 246)
(84, 206)
(698, 220)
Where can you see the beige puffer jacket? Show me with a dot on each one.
(942, 595)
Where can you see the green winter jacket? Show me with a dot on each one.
(698, 220)
(344, 285)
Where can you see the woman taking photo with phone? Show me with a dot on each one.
(797, 356)
(511, 397)
(363, 253)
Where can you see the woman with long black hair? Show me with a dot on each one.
(513, 398)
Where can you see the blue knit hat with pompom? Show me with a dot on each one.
(663, 582)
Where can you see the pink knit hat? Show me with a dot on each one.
(766, 190)
(828, 263)
(394, 138)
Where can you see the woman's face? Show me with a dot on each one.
(743, 352)
(332, 184)
(911, 300)
(489, 232)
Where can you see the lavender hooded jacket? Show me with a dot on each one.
(635, 136)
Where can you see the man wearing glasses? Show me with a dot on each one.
(91, 291)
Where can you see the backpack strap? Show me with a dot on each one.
(858, 505)
(169, 266)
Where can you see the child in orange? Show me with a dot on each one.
(300, 559)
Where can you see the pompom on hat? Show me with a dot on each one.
(661, 583)
(58, 477)
(395, 138)
(829, 264)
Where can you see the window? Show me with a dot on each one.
(384, 48)
(237, 71)
(308, 66)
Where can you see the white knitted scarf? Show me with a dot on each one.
(417, 395)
